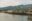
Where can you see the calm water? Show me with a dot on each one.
(10, 17)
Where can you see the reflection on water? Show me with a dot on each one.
(10, 17)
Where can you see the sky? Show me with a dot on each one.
(4, 3)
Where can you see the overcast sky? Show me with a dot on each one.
(14, 2)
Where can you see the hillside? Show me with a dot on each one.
(14, 7)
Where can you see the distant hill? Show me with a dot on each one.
(8, 8)
(26, 6)
(14, 7)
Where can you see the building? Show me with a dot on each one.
(29, 11)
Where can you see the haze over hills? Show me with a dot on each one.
(14, 7)
(26, 6)
(8, 8)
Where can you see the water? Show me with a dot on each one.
(10, 17)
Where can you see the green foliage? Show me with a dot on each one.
(18, 8)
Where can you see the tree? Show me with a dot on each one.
(18, 8)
